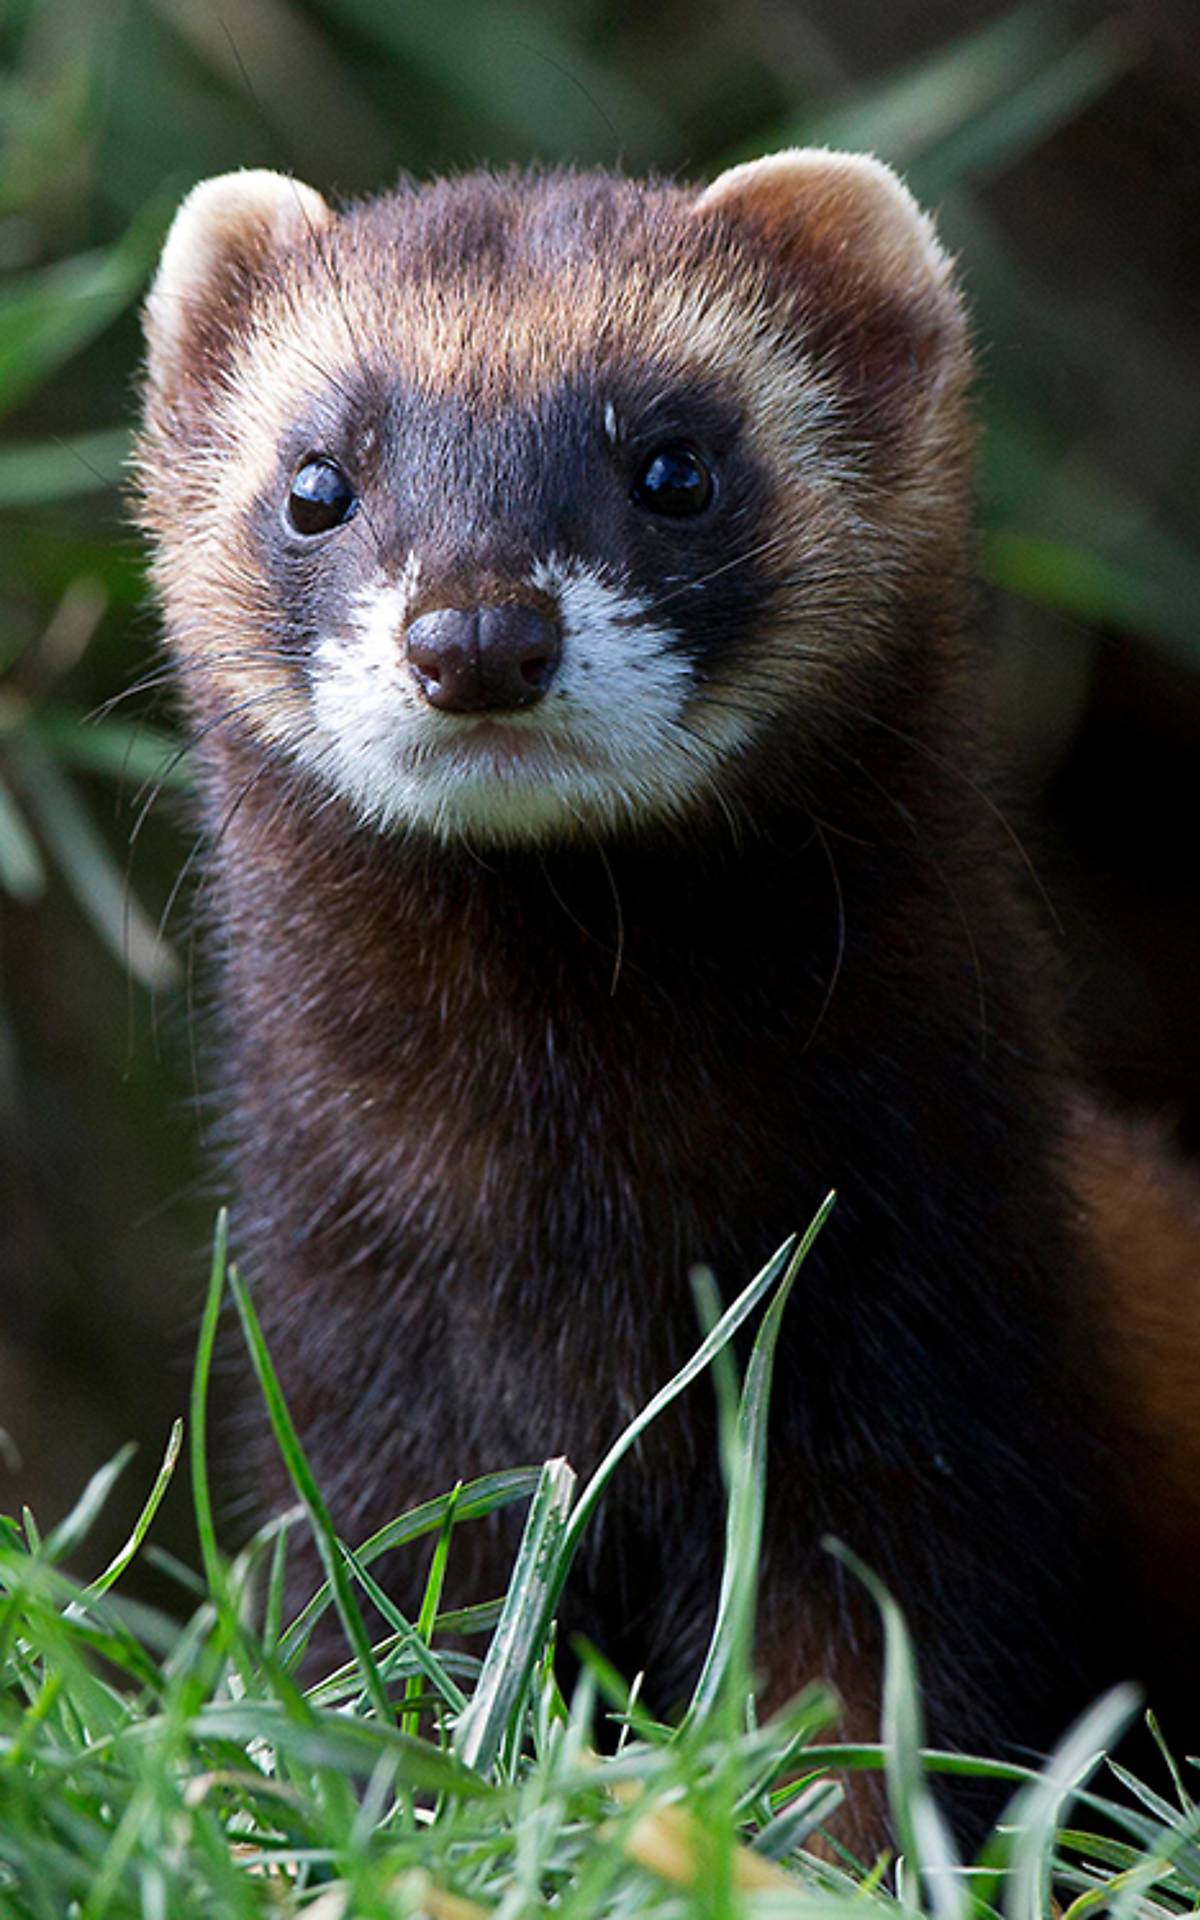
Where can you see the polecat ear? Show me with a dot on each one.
(221, 244)
(846, 206)
(857, 268)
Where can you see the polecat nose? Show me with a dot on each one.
(484, 658)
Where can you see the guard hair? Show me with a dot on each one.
(222, 243)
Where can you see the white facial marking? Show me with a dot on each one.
(609, 742)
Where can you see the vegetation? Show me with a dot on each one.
(108, 113)
(149, 1768)
(155, 1768)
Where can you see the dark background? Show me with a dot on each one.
(1060, 147)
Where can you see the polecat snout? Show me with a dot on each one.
(565, 579)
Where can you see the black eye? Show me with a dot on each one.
(674, 481)
(321, 497)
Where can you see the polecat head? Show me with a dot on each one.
(520, 508)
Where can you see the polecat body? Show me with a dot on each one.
(566, 581)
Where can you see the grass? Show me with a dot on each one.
(161, 1769)
(149, 1767)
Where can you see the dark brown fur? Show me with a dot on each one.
(490, 1103)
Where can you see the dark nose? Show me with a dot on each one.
(483, 659)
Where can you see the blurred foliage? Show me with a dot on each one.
(1051, 140)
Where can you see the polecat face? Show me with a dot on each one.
(516, 509)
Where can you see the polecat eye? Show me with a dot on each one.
(674, 480)
(320, 498)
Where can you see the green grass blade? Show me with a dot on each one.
(1047, 97)
(430, 1601)
(477, 1499)
(411, 1640)
(276, 1579)
(553, 1532)
(480, 1618)
(1187, 1804)
(216, 1574)
(301, 1476)
(69, 1534)
(42, 471)
(508, 70)
(343, 1743)
(798, 1821)
(733, 1628)
(711, 1345)
(924, 1836)
(141, 1527)
(1021, 1856)
(913, 109)
(523, 1623)
(210, 1554)
(49, 314)
(22, 871)
(95, 878)
(792, 1733)
(129, 750)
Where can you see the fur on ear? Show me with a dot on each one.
(848, 206)
(221, 242)
(858, 265)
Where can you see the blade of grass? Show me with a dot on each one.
(430, 1601)
(1047, 96)
(41, 471)
(924, 1836)
(301, 1476)
(141, 1526)
(22, 871)
(711, 1345)
(1019, 1860)
(122, 749)
(555, 1540)
(799, 1820)
(411, 1640)
(341, 1742)
(524, 1621)
(210, 1554)
(48, 314)
(748, 1475)
(478, 1498)
(96, 880)
(912, 110)
(550, 1547)
(61, 1542)
(215, 1574)
(273, 1609)
(506, 69)
(794, 1729)
(477, 1619)
(1186, 1803)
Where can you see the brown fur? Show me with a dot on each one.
(1141, 1211)
(679, 283)
(493, 1092)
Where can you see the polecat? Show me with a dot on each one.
(567, 579)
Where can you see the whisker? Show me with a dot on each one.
(972, 786)
(273, 696)
(705, 579)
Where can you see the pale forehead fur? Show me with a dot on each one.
(496, 289)
(492, 291)
(347, 300)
